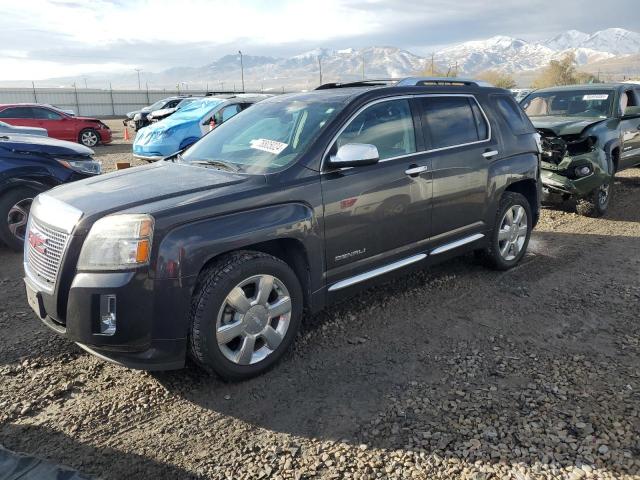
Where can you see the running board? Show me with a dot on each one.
(458, 243)
(376, 272)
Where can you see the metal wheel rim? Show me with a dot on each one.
(603, 194)
(17, 218)
(513, 232)
(89, 139)
(253, 319)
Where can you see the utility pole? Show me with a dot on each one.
(432, 71)
(320, 68)
(241, 69)
(85, 82)
(35, 96)
(138, 70)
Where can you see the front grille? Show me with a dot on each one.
(45, 248)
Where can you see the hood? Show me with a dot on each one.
(137, 186)
(564, 125)
(10, 129)
(41, 144)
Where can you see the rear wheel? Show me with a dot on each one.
(245, 314)
(597, 202)
(14, 213)
(89, 137)
(511, 232)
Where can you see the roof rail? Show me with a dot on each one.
(360, 83)
(421, 81)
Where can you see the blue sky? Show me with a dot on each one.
(42, 39)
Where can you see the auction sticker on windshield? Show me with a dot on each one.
(597, 96)
(271, 146)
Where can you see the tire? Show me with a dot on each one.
(235, 279)
(597, 202)
(14, 211)
(503, 235)
(89, 137)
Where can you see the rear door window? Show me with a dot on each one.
(451, 121)
(512, 114)
(17, 112)
(388, 125)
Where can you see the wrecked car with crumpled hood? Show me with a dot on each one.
(588, 132)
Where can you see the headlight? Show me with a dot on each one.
(137, 117)
(118, 242)
(92, 167)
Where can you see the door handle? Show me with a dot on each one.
(490, 153)
(415, 170)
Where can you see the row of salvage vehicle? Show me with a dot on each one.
(216, 251)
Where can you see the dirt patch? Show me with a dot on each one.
(455, 372)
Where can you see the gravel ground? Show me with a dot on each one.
(458, 372)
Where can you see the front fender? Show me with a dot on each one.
(506, 172)
(186, 249)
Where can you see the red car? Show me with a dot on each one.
(87, 131)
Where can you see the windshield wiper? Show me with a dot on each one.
(217, 164)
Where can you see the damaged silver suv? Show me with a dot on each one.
(589, 132)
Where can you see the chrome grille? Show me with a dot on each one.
(44, 249)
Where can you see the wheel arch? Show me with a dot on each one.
(528, 188)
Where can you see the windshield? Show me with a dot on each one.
(265, 138)
(569, 103)
(195, 110)
(156, 106)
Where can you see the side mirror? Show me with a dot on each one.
(355, 155)
(631, 112)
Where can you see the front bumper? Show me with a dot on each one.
(105, 136)
(148, 158)
(557, 184)
(151, 318)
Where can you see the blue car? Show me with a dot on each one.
(29, 165)
(187, 126)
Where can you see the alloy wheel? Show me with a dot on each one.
(17, 218)
(513, 232)
(253, 319)
(89, 138)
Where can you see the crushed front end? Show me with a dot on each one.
(572, 166)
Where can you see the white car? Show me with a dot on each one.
(11, 129)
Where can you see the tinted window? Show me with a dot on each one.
(451, 121)
(45, 114)
(17, 112)
(387, 125)
(565, 103)
(512, 114)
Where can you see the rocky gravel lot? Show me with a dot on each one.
(458, 372)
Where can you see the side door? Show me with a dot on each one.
(20, 116)
(630, 130)
(377, 215)
(461, 147)
(57, 125)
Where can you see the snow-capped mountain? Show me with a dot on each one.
(504, 53)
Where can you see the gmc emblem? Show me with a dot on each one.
(37, 242)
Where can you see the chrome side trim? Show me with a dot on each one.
(458, 243)
(419, 152)
(377, 272)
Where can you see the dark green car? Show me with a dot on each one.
(588, 132)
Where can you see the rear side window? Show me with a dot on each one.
(388, 125)
(512, 114)
(452, 121)
(17, 112)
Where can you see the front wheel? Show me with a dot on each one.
(14, 213)
(597, 202)
(89, 137)
(245, 313)
(511, 232)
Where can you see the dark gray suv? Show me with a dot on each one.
(291, 205)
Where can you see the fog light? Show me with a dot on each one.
(107, 314)
(583, 171)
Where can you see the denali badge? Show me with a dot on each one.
(355, 253)
(37, 241)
